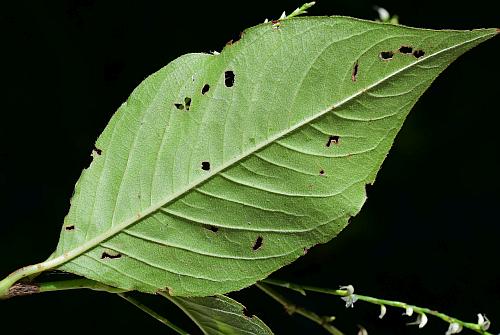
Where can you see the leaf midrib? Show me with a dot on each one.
(116, 229)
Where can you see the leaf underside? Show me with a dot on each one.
(220, 169)
(220, 315)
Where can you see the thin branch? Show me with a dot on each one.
(382, 302)
(74, 284)
(152, 313)
(291, 308)
(20, 289)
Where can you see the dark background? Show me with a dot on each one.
(427, 235)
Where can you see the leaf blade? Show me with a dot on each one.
(156, 230)
(220, 315)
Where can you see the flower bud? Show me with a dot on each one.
(421, 320)
(383, 310)
(362, 331)
(408, 311)
(454, 328)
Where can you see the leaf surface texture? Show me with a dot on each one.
(220, 169)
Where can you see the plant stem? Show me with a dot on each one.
(83, 283)
(291, 308)
(343, 293)
(7, 283)
(77, 284)
(154, 314)
(20, 289)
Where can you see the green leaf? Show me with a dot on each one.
(217, 315)
(220, 315)
(220, 169)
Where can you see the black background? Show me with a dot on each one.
(427, 235)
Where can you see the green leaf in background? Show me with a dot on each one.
(220, 315)
(220, 169)
(217, 315)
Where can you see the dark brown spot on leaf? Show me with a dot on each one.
(276, 24)
(97, 151)
(211, 228)
(258, 243)
(355, 71)
(179, 106)
(187, 102)
(205, 88)
(322, 172)
(205, 166)
(229, 78)
(333, 139)
(386, 55)
(405, 49)
(72, 227)
(106, 255)
(418, 53)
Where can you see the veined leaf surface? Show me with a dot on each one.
(220, 169)
(220, 315)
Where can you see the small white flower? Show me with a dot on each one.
(383, 14)
(383, 310)
(421, 321)
(454, 328)
(350, 298)
(408, 311)
(348, 288)
(483, 321)
(266, 21)
(362, 331)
